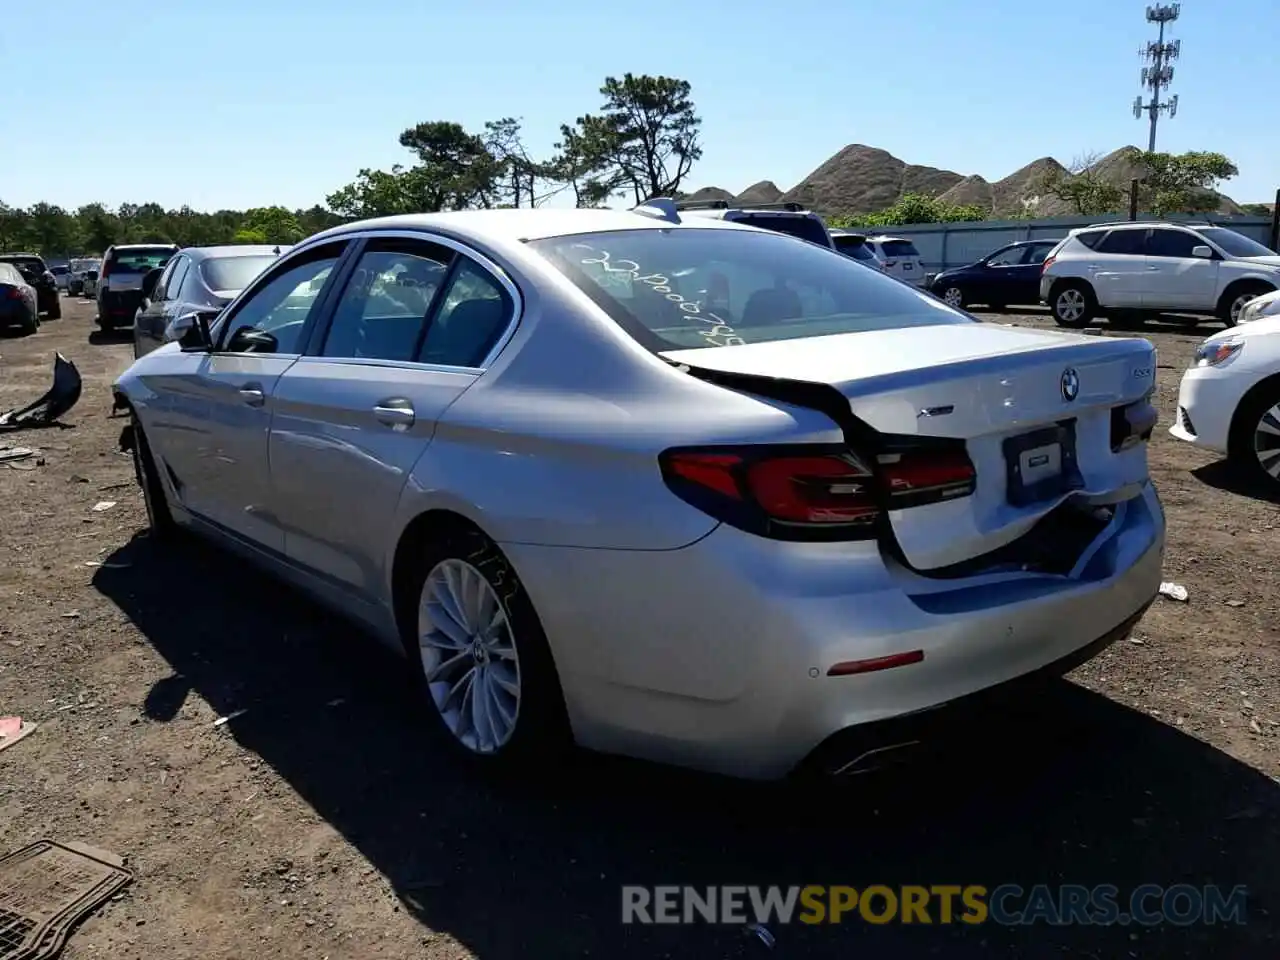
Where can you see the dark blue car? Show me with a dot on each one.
(1010, 275)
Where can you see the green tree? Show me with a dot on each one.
(50, 228)
(13, 228)
(271, 224)
(97, 228)
(519, 179)
(1257, 209)
(455, 168)
(1182, 182)
(1084, 187)
(913, 208)
(646, 138)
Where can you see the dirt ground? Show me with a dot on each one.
(321, 821)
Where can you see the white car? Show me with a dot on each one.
(899, 258)
(591, 502)
(1229, 400)
(1267, 305)
(1150, 268)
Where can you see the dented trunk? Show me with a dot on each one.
(1045, 418)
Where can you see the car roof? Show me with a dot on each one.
(20, 256)
(882, 237)
(218, 251)
(518, 225)
(143, 246)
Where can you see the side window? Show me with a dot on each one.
(1008, 258)
(474, 314)
(177, 274)
(1171, 243)
(385, 303)
(163, 283)
(1124, 242)
(281, 305)
(1091, 239)
(1039, 252)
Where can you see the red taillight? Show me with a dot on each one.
(808, 492)
(106, 270)
(1047, 261)
(13, 293)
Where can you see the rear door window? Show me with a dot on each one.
(1124, 243)
(1091, 238)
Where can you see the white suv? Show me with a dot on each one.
(900, 258)
(1140, 268)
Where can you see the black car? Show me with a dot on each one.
(1010, 275)
(34, 271)
(17, 300)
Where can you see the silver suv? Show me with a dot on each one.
(1139, 268)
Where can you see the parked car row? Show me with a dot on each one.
(814, 504)
(28, 291)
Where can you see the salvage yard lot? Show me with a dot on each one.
(320, 822)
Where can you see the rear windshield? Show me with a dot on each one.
(1235, 244)
(855, 247)
(674, 289)
(806, 228)
(59, 270)
(233, 273)
(140, 259)
(899, 248)
(28, 265)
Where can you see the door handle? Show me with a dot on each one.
(1153, 268)
(396, 413)
(251, 393)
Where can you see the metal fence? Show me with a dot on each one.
(945, 245)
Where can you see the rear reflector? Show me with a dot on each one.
(849, 668)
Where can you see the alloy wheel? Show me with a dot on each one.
(1070, 305)
(469, 656)
(1238, 304)
(953, 296)
(1266, 442)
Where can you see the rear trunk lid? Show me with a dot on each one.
(1034, 408)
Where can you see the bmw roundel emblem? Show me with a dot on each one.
(1070, 384)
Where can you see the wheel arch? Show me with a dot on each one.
(1056, 287)
(1234, 288)
(1264, 386)
(423, 528)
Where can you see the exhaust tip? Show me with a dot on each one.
(878, 758)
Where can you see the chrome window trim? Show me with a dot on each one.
(491, 266)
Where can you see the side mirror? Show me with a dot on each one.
(249, 340)
(149, 283)
(191, 330)
(1202, 252)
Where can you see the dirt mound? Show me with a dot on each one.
(766, 191)
(709, 193)
(862, 179)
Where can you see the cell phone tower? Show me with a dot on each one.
(1158, 73)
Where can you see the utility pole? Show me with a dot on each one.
(1159, 74)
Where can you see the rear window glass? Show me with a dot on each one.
(233, 273)
(806, 228)
(1091, 239)
(27, 264)
(9, 275)
(676, 289)
(899, 248)
(59, 270)
(140, 260)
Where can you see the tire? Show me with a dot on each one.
(55, 312)
(160, 522)
(30, 325)
(1073, 305)
(1254, 445)
(1236, 297)
(106, 324)
(519, 675)
(954, 296)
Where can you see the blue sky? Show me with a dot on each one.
(236, 103)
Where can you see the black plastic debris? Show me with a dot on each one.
(60, 398)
